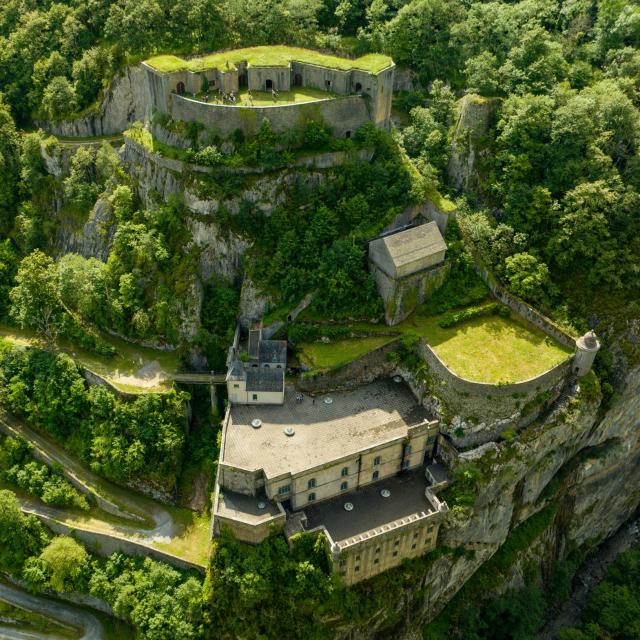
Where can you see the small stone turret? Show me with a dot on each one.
(586, 348)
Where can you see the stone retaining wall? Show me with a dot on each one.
(342, 115)
(517, 305)
(104, 544)
(464, 386)
(370, 367)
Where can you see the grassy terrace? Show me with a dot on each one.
(271, 56)
(132, 369)
(264, 98)
(488, 349)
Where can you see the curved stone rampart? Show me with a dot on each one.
(464, 386)
(343, 114)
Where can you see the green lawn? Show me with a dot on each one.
(264, 98)
(121, 369)
(269, 56)
(490, 348)
(485, 349)
(319, 355)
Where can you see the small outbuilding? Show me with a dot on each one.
(408, 267)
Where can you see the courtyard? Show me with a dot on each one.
(265, 98)
(490, 349)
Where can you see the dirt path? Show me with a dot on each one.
(589, 576)
(86, 623)
(146, 522)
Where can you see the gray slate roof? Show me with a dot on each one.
(261, 379)
(273, 351)
(408, 251)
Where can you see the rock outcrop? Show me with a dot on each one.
(473, 121)
(125, 102)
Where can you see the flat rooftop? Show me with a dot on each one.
(249, 509)
(269, 56)
(370, 510)
(324, 432)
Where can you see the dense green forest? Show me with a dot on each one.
(556, 215)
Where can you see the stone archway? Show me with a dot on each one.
(358, 87)
(297, 79)
(243, 80)
(180, 89)
(269, 84)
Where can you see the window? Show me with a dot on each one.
(255, 396)
(347, 134)
(375, 475)
(396, 543)
(343, 562)
(284, 489)
(416, 534)
(407, 449)
(236, 386)
(376, 461)
(345, 472)
(430, 529)
(378, 550)
(311, 484)
(405, 464)
(413, 546)
(311, 497)
(376, 561)
(357, 568)
(431, 439)
(344, 486)
(357, 557)
(395, 553)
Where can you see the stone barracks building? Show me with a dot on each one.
(350, 464)
(358, 90)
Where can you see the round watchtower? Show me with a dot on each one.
(586, 348)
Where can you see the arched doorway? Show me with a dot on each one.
(243, 81)
(269, 84)
(297, 80)
(347, 134)
(180, 88)
(358, 87)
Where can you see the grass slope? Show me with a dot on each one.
(488, 349)
(269, 56)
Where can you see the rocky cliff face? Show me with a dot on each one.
(473, 121)
(586, 466)
(126, 101)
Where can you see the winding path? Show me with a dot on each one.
(65, 614)
(140, 520)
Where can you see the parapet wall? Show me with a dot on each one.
(464, 386)
(342, 114)
(517, 305)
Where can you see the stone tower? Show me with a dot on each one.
(586, 348)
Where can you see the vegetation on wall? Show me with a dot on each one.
(136, 441)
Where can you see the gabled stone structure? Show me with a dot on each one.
(407, 266)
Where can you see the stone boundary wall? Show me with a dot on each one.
(342, 114)
(314, 161)
(517, 305)
(370, 367)
(104, 544)
(96, 380)
(462, 385)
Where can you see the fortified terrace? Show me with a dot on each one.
(235, 90)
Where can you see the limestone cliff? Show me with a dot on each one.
(125, 101)
(584, 466)
(473, 121)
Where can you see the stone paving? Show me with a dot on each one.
(354, 420)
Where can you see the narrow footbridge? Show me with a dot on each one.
(199, 378)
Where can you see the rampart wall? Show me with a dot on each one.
(343, 114)
(517, 305)
(464, 386)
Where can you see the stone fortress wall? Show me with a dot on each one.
(361, 96)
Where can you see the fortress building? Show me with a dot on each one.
(357, 90)
(407, 266)
(350, 464)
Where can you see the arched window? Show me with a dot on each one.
(344, 486)
(311, 484)
(311, 497)
(345, 472)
